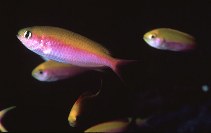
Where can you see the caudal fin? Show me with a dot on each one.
(117, 63)
(2, 113)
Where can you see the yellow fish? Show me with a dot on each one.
(77, 108)
(111, 126)
(53, 71)
(169, 39)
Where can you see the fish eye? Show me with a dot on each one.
(40, 72)
(152, 36)
(27, 34)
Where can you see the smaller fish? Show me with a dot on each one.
(111, 126)
(50, 71)
(77, 108)
(2, 114)
(169, 39)
(139, 122)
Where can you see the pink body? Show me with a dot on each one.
(56, 50)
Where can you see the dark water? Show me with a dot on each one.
(164, 87)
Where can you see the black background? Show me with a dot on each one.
(161, 86)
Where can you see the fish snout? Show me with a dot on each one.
(72, 123)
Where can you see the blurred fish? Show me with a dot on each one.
(77, 108)
(2, 113)
(68, 47)
(53, 71)
(169, 39)
(111, 126)
(139, 122)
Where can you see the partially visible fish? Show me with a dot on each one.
(139, 122)
(68, 47)
(53, 71)
(77, 109)
(170, 39)
(2, 114)
(111, 126)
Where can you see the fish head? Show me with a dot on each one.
(28, 38)
(153, 39)
(41, 74)
(73, 118)
(35, 40)
(75, 112)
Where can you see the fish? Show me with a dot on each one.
(2, 114)
(111, 126)
(68, 47)
(169, 39)
(50, 71)
(140, 122)
(77, 108)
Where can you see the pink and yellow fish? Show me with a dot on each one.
(77, 108)
(169, 39)
(111, 126)
(67, 47)
(50, 71)
(2, 114)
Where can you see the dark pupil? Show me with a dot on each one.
(27, 35)
(40, 72)
(153, 36)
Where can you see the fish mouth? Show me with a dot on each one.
(36, 76)
(33, 74)
(18, 36)
(72, 124)
(145, 39)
